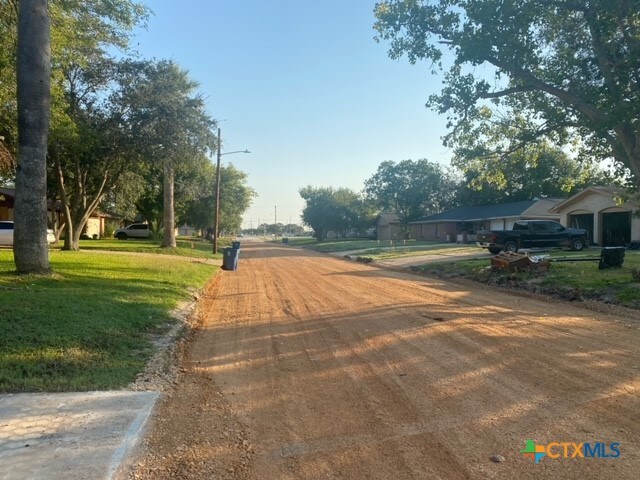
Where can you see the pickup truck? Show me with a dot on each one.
(532, 234)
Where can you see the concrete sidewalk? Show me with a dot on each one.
(88, 435)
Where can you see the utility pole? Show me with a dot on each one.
(216, 224)
(217, 211)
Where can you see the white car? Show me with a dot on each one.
(6, 234)
(135, 230)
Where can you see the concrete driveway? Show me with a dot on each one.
(88, 435)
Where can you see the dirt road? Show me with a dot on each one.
(310, 367)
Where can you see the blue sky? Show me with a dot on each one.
(304, 86)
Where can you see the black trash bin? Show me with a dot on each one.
(285, 240)
(230, 258)
(235, 245)
(611, 257)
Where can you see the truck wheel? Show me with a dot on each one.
(494, 250)
(511, 247)
(121, 236)
(577, 244)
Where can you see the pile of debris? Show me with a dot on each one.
(518, 262)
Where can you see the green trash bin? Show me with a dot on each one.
(236, 245)
(285, 240)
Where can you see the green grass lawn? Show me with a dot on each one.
(89, 325)
(301, 241)
(571, 280)
(186, 247)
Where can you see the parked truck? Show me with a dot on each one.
(532, 234)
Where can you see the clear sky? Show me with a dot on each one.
(304, 86)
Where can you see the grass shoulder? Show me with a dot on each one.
(90, 325)
(567, 280)
(185, 246)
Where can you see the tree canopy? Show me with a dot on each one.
(81, 32)
(124, 132)
(167, 120)
(198, 195)
(84, 156)
(340, 211)
(572, 69)
(536, 169)
(411, 189)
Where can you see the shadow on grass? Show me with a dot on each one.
(90, 325)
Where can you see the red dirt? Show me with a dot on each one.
(307, 366)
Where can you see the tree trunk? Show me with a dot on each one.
(169, 239)
(74, 244)
(31, 251)
(81, 220)
(66, 211)
(69, 231)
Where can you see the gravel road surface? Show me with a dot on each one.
(307, 366)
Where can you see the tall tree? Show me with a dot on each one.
(334, 210)
(92, 152)
(235, 198)
(411, 189)
(34, 72)
(320, 210)
(8, 100)
(167, 116)
(572, 68)
(197, 192)
(88, 149)
(82, 32)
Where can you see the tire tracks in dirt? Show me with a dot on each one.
(307, 367)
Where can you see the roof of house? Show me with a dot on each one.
(608, 191)
(524, 208)
(11, 192)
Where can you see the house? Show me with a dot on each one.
(95, 225)
(461, 224)
(604, 213)
(187, 231)
(388, 227)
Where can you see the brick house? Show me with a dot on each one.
(461, 224)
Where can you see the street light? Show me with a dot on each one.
(217, 220)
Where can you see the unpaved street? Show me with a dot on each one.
(311, 367)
